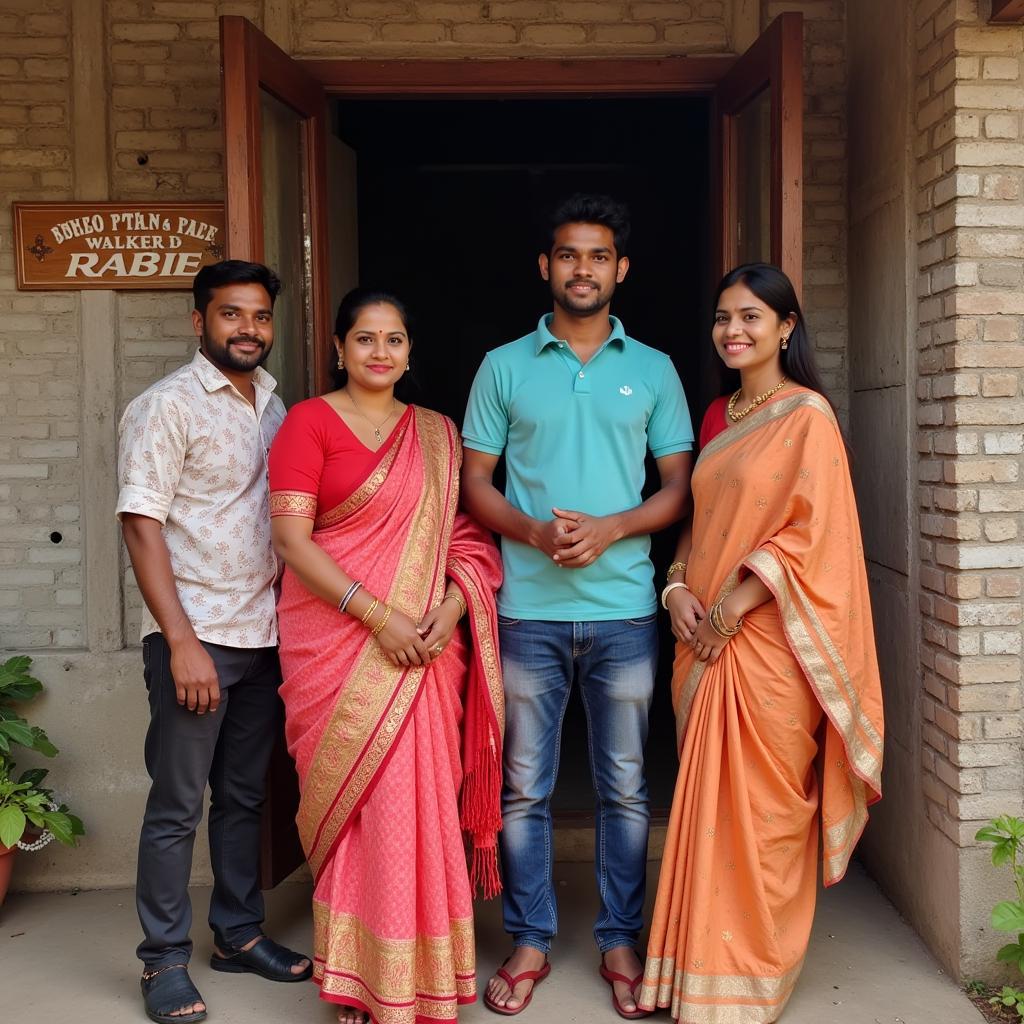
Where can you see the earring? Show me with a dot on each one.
(785, 342)
(341, 361)
(408, 367)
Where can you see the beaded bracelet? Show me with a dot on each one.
(349, 594)
(383, 621)
(458, 598)
(369, 611)
(675, 567)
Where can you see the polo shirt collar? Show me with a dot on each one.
(213, 380)
(544, 337)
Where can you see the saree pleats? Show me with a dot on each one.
(793, 697)
(393, 916)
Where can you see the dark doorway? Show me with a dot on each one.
(448, 197)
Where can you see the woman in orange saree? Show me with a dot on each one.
(775, 682)
(394, 711)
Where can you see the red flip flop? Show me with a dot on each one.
(512, 980)
(613, 976)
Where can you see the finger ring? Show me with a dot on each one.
(438, 648)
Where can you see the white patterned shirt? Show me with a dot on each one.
(193, 456)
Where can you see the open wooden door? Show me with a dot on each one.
(274, 117)
(275, 128)
(757, 156)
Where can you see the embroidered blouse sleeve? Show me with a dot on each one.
(152, 444)
(296, 464)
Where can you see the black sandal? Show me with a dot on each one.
(167, 990)
(267, 958)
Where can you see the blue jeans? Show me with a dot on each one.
(614, 664)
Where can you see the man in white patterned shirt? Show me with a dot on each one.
(193, 511)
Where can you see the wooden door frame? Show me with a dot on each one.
(764, 65)
(250, 62)
(527, 78)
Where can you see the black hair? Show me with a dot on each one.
(582, 208)
(348, 313)
(776, 290)
(217, 275)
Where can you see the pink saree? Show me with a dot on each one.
(395, 764)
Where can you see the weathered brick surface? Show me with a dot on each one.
(382, 28)
(40, 554)
(825, 295)
(165, 70)
(970, 412)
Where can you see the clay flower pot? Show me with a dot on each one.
(6, 867)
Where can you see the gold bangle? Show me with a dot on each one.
(675, 567)
(383, 621)
(717, 620)
(456, 597)
(369, 611)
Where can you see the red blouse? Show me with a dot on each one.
(316, 453)
(714, 420)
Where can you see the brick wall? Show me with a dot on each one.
(970, 413)
(40, 578)
(439, 28)
(825, 191)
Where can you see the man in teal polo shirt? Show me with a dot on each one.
(574, 407)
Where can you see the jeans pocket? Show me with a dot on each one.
(504, 620)
(645, 621)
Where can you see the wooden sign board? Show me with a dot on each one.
(60, 246)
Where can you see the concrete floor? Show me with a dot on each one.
(70, 958)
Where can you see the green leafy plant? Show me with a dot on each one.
(1010, 997)
(24, 801)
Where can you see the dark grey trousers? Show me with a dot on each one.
(228, 749)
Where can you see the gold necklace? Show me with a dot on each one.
(760, 400)
(376, 427)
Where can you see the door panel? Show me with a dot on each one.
(274, 129)
(275, 116)
(757, 153)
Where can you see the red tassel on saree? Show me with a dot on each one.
(796, 694)
(383, 753)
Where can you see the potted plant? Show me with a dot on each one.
(25, 803)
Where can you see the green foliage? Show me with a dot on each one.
(1010, 997)
(24, 800)
(16, 686)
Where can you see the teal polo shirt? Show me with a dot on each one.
(574, 436)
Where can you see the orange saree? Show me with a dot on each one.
(395, 764)
(784, 727)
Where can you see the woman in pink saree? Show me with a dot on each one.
(394, 711)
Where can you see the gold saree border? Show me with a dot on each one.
(842, 837)
(696, 673)
(397, 979)
(369, 716)
(485, 641)
(846, 714)
(762, 417)
(697, 998)
(369, 487)
(293, 503)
